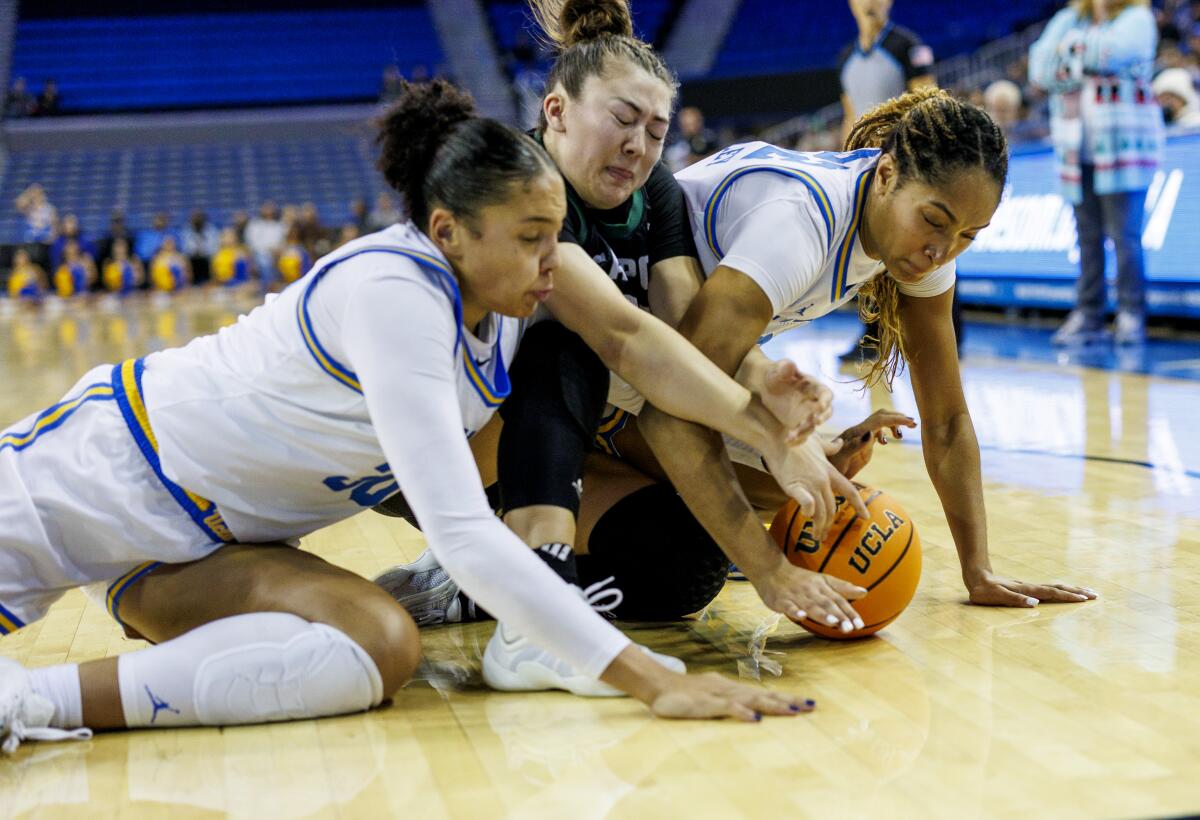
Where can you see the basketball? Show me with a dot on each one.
(882, 554)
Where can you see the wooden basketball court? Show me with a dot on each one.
(1085, 710)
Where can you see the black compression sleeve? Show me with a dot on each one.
(670, 230)
(559, 387)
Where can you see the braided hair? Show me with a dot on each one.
(932, 136)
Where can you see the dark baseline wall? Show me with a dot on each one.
(767, 98)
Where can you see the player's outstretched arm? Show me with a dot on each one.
(672, 695)
(952, 455)
(657, 361)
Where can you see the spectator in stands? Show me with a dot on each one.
(76, 273)
(1004, 104)
(312, 232)
(693, 141)
(391, 85)
(238, 220)
(122, 273)
(47, 104)
(359, 214)
(117, 229)
(384, 214)
(148, 241)
(347, 233)
(1176, 94)
(882, 62)
(41, 218)
(294, 259)
(69, 230)
(200, 241)
(27, 280)
(231, 262)
(19, 102)
(169, 269)
(264, 237)
(1096, 58)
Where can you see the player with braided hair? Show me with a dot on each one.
(786, 237)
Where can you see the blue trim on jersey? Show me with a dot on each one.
(842, 264)
(127, 388)
(9, 622)
(53, 417)
(714, 201)
(610, 426)
(491, 392)
(119, 587)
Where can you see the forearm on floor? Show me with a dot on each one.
(951, 453)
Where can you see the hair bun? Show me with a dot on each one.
(583, 20)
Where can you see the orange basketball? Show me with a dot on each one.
(882, 554)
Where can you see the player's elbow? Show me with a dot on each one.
(613, 340)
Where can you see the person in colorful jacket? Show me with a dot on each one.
(1096, 59)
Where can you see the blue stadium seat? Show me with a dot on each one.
(212, 60)
(219, 179)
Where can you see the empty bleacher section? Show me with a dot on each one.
(227, 59)
(769, 37)
(509, 18)
(220, 165)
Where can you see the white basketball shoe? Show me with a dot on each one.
(511, 663)
(24, 714)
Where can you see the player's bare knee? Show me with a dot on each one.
(389, 635)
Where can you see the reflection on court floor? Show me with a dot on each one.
(1093, 477)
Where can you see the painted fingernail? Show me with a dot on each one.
(831, 619)
(858, 623)
(793, 707)
(758, 715)
(1031, 601)
(800, 614)
(846, 626)
(810, 702)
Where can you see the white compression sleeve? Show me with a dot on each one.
(255, 668)
(399, 338)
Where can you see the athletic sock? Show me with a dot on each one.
(60, 685)
(560, 558)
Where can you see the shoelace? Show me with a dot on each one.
(18, 731)
(595, 595)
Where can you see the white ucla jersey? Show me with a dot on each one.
(267, 418)
(790, 221)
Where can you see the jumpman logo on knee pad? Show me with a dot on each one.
(159, 705)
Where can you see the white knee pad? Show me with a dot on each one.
(318, 672)
(254, 668)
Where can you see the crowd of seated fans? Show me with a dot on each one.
(275, 247)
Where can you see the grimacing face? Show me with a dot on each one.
(506, 253)
(918, 227)
(608, 139)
